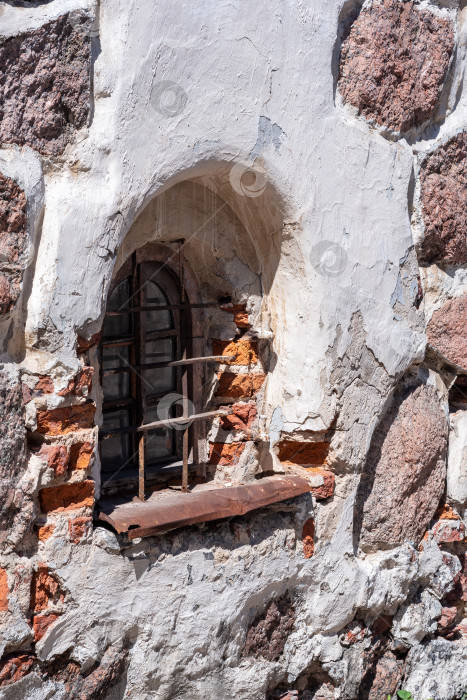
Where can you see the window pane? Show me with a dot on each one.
(159, 443)
(116, 386)
(160, 380)
(116, 451)
(157, 320)
(118, 326)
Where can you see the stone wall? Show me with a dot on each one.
(312, 156)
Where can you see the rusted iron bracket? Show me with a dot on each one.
(173, 363)
(167, 423)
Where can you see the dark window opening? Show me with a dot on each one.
(146, 328)
(147, 433)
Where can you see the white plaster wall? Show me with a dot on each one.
(258, 80)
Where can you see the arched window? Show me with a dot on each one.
(146, 333)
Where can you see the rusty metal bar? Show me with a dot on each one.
(173, 363)
(184, 368)
(200, 505)
(141, 464)
(155, 335)
(168, 307)
(138, 346)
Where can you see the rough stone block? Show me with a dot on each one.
(403, 480)
(394, 62)
(45, 90)
(67, 497)
(386, 677)
(443, 181)
(269, 632)
(447, 331)
(15, 506)
(65, 420)
(13, 242)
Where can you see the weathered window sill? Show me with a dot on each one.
(167, 510)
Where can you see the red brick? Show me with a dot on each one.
(225, 453)
(449, 531)
(45, 589)
(81, 385)
(15, 667)
(44, 385)
(45, 531)
(445, 512)
(84, 345)
(308, 534)
(326, 488)
(239, 386)
(79, 528)
(80, 455)
(240, 316)
(41, 624)
(57, 458)
(245, 351)
(242, 417)
(447, 620)
(309, 454)
(4, 590)
(65, 420)
(67, 497)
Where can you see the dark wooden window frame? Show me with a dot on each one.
(183, 364)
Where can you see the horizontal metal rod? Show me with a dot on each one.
(174, 363)
(168, 307)
(150, 335)
(168, 423)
